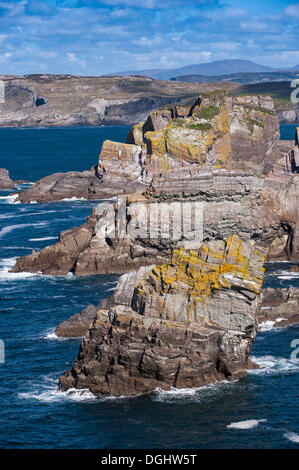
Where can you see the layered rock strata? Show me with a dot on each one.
(143, 229)
(216, 131)
(280, 306)
(190, 322)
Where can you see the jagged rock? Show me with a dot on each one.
(280, 306)
(117, 239)
(135, 135)
(157, 120)
(217, 131)
(277, 303)
(204, 334)
(5, 180)
(254, 132)
(77, 325)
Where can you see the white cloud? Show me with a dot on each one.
(293, 10)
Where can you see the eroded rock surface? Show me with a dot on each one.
(216, 131)
(191, 321)
(280, 306)
(5, 180)
(122, 236)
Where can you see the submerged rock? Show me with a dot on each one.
(190, 322)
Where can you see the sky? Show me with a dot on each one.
(95, 37)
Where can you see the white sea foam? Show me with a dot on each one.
(288, 275)
(10, 199)
(51, 394)
(74, 198)
(42, 239)
(6, 264)
(266, 325)
(52, 336)
(47, 391)
(248, 424)
(196, 393)
(270, 365)
(10, 228)
(292, 436)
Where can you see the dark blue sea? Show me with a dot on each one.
(260, 411)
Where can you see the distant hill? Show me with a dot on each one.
(218, 67)
(244, 78)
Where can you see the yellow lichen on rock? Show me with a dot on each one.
(196, 276)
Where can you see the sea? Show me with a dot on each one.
(260, 411)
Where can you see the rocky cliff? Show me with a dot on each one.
(189, 322)
(182, 165)
(66, 100)
(138, 230)
(216, 131)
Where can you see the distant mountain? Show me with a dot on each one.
(218, 67)
(244, 78)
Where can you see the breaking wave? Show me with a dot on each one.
(270, 365)
(6, 264)
(248, 424)
(292, 436)
(4, 231)
(47, 391)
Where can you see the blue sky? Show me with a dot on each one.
(94, 37)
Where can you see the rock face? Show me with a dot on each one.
(254, 126)
(66, 100)
(216, 131)
(5, 181)
(122, 236)
(183, 190)
(191, 321)
(280, 306)
(77, 325)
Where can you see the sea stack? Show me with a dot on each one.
(189, 322)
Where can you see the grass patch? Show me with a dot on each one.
(208, 113)
(201, 126)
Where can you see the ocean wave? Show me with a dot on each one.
(74, 198)
(266, 325)
(29, 214)
(42, 239)
(4, 231)
(270, 324)
(6, 264)
(270, 365)
(287, 275)
(196, 393)
(248, 424)
(292, 436)
(50, 335)
(10, 199)
(52, 394)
